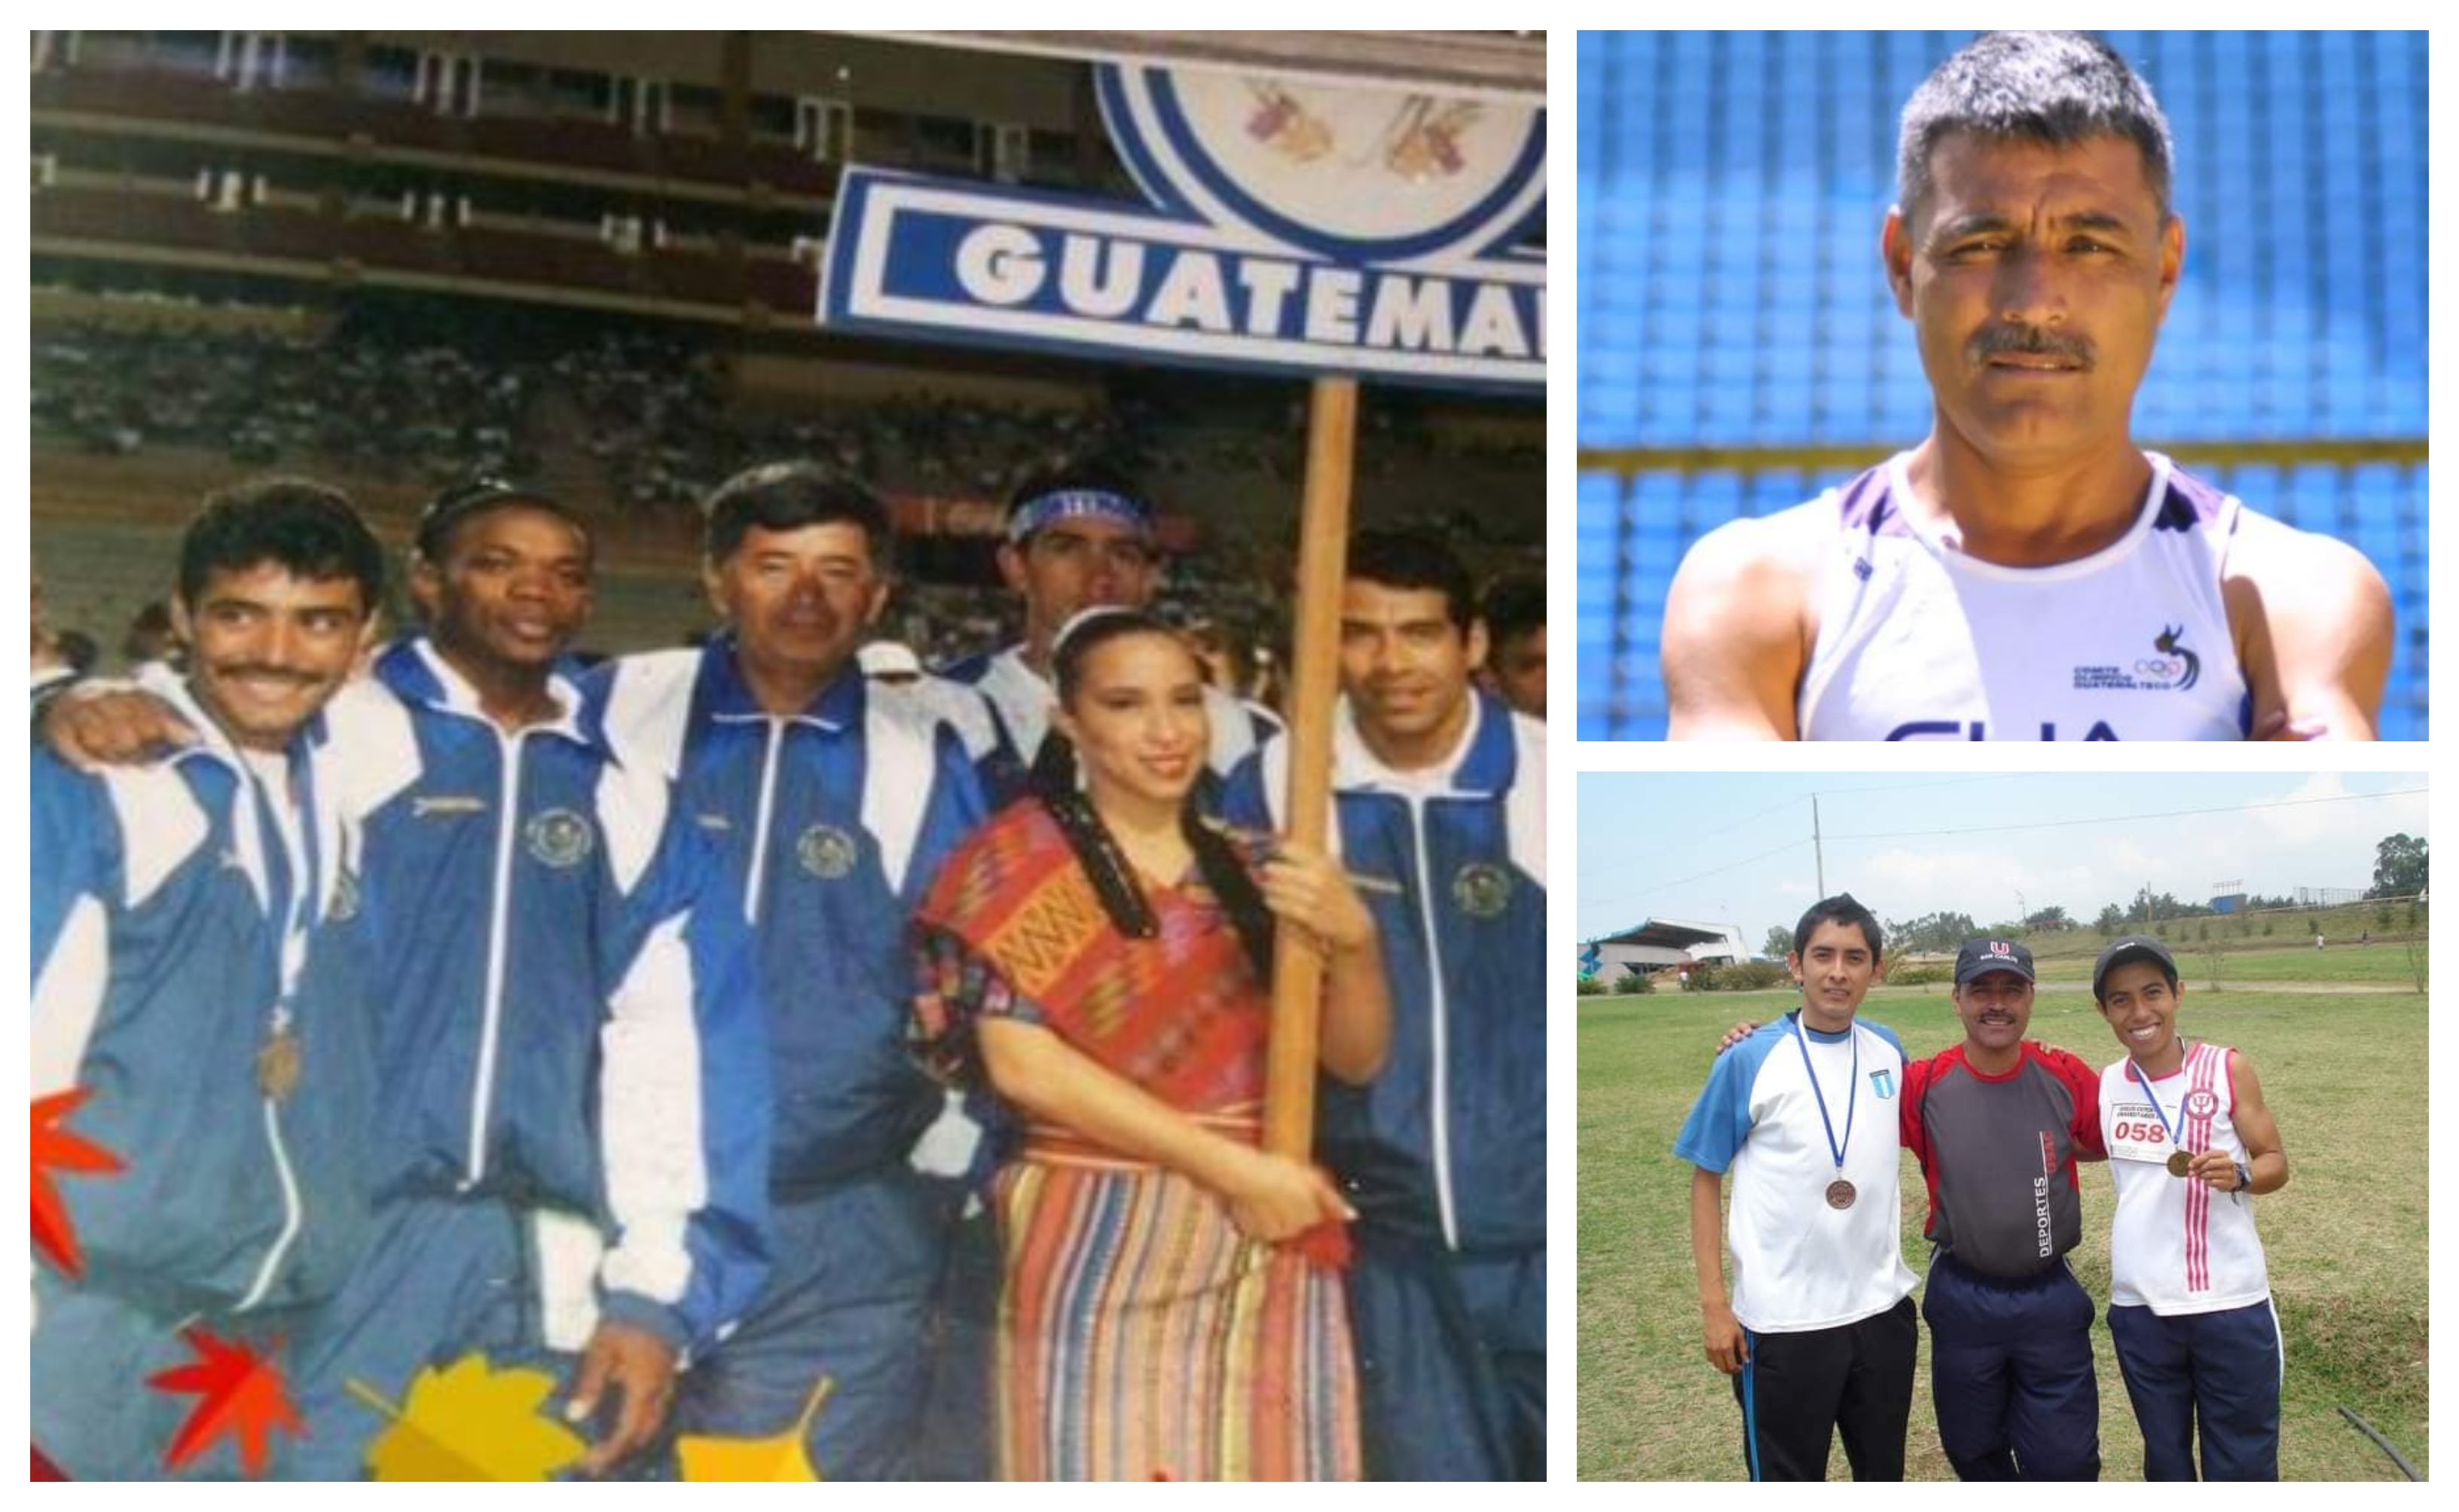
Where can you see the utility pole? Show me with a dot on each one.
(2023, 911)
(1817, 847)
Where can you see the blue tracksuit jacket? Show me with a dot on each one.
(1449, 1141)
(830, 824)
(571, 1018)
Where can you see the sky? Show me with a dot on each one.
(1736, 848)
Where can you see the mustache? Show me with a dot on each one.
(2030, 340)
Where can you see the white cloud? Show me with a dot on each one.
(2270, 850)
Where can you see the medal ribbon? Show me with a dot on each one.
(2176, 1127)
(1852, 1096)
(295, 884)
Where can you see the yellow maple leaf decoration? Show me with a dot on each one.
(779, 1458)
(471, 1421)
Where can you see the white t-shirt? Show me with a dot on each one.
(1799, 1264)
(1918, 640)
(2177, 1245)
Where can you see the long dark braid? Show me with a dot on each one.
(1055, 781)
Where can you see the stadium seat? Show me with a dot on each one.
(1744, 210)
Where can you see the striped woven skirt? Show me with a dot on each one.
(1142, 1337)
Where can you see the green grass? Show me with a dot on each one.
(2345, 1240)
(2381, 964)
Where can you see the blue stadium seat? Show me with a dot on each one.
(1730, 294)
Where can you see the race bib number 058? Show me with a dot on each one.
(2135, 1132)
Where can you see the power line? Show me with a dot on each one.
(1780, 804)
(2166, 813)
(1790, 844)
(1941, 782)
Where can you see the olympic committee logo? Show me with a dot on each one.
(826, 853)
(559, 838)
(2172, 668)
(1480, 890)
(2181, 665)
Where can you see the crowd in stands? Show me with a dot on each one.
(421, 414)
(648, 419)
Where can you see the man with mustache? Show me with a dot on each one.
(567, 1150)
(198, 993)
(1998, 1124)
(2026, 572)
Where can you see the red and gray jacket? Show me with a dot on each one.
(1999, 1153)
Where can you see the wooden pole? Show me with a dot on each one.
(1323, 551)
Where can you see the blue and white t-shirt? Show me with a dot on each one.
(1799, 1264)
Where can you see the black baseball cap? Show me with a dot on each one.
(2131, 948)
(1979, 956)
(478, 496)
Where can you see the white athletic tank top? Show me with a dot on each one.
(1918, 642)
(2176, 1244)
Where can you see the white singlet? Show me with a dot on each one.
(2177, 1245)
(1918, 642)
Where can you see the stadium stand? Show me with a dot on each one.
(1739, 350)
(587, 260)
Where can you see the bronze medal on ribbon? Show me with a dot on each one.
(1840, 1191)
(2180, 1162)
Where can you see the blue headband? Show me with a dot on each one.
(1078, 503)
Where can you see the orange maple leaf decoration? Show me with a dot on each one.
(55, 1147)
(242, 1395)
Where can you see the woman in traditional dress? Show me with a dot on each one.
(1099, 953)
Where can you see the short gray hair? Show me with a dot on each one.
(2053, 86)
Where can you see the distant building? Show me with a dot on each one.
(1655, 943)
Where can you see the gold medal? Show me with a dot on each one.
(2180, 1162)
(278, 1066)
(1840, 1194)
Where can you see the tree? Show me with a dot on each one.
(2150, 907)
(2399, 867)
(2053, 918)
(1933, 931)
(2111, 920)
(1780, 943)
(2214, 953)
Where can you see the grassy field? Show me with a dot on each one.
(2345, 1076)
(2382, 964)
